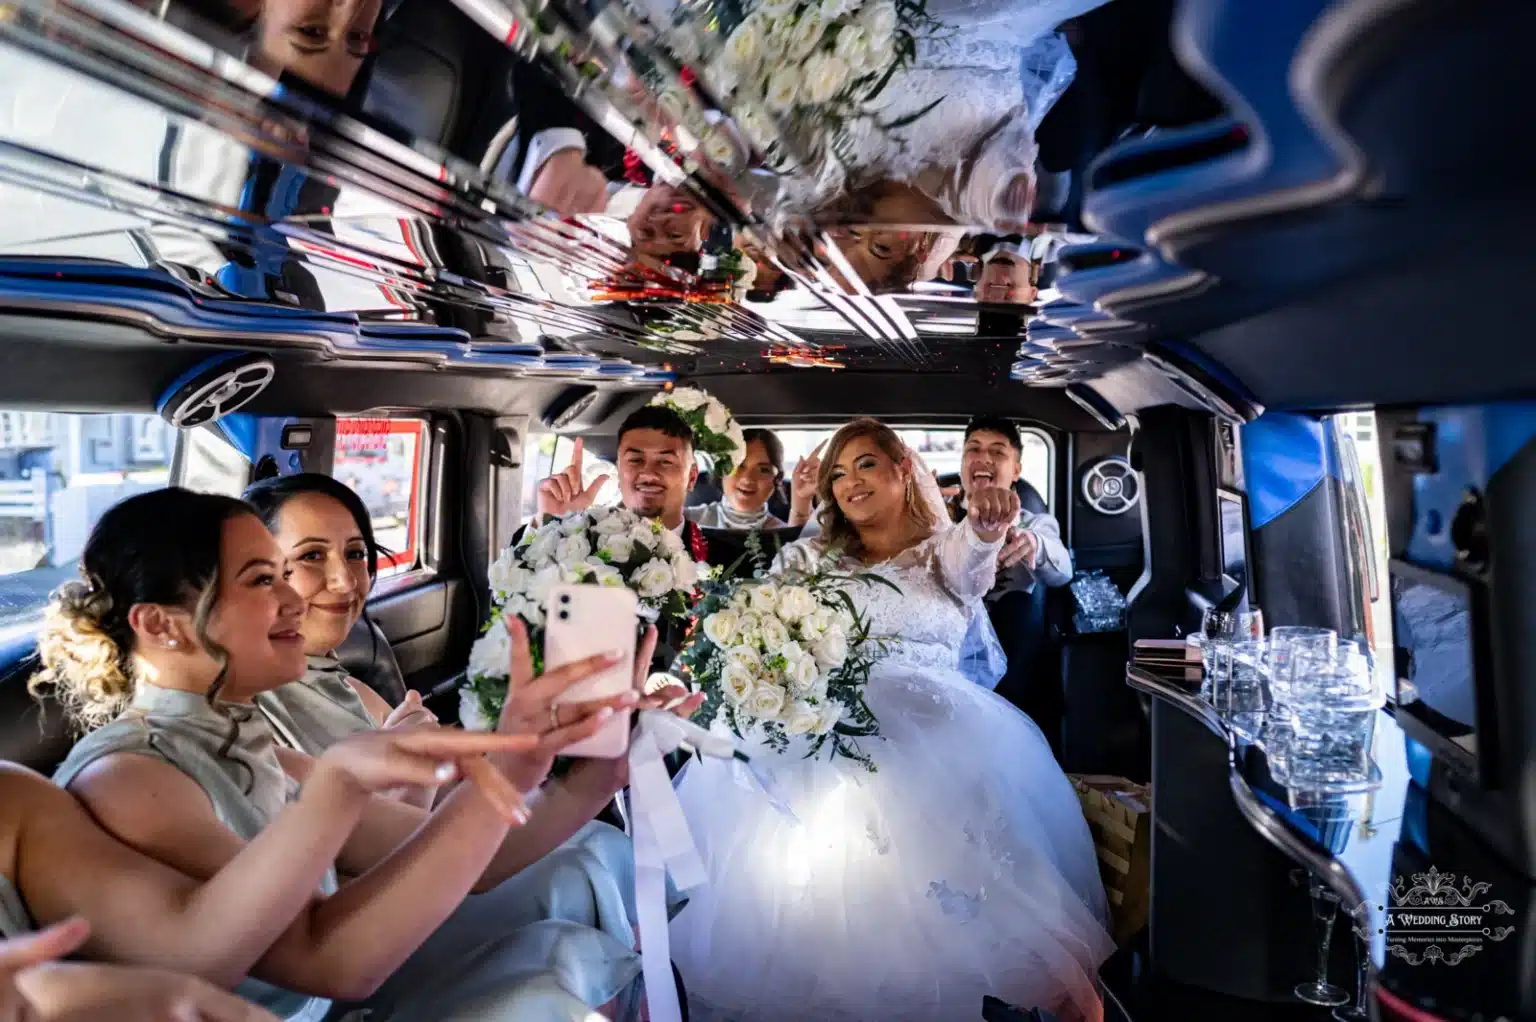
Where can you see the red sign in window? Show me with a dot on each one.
(381, 459)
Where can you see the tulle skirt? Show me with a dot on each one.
(961, 868)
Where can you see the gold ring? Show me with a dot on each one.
(554, 717)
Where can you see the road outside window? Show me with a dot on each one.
(59, 473)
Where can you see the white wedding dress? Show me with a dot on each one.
(986, 76)
(961, 868)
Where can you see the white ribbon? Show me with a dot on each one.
(663, 844)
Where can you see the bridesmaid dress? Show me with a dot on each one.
(480, 964)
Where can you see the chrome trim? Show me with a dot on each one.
(1274, 830)
(1213, 402)
(1334, 31)
(1142, 680)
(1263, 819)
(1093, 412)
(1145, 578)
(1183, 286)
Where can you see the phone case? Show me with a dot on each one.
(582, 621)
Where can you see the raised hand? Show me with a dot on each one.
(562, 493)
(36, 987)
(1021, 546)
(993, 511)
(803, 485)
(531, 708)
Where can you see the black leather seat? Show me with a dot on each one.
(367, 656)
(35, 735)
(31, 733)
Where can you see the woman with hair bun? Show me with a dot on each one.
(325, 532)
(58, 865)
(185, 619)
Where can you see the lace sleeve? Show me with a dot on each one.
(967, 563)
(801, 555)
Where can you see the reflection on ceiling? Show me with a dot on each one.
(578, 195)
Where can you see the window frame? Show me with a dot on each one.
(182, 447)
(1048, 493)
(395, 571)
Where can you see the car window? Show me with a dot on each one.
(384, 461)
(59, 472)
(547, 453)
(940, 448)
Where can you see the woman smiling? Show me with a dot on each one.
(743, 506)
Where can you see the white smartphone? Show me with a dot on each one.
(582, 621)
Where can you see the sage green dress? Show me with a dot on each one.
(497, 970)
(245, 784)
(580, 898)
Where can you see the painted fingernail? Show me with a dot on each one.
(629, 698)
(521, 816)
(445, 772)
(605, 713)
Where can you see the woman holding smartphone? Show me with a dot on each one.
(186, 617)
(324, 530)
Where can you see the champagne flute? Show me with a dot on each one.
(1325, 905)
(1360, 1011)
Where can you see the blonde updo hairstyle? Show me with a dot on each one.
(160, 547)
(837, 531)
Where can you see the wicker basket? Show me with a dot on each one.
(1119, 813)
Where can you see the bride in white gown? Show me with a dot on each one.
(962, 867)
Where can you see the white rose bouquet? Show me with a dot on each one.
(787, 657)
(602, 545)
(716, 433)
(798, 65)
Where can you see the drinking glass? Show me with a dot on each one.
(1333, 709)
(1236, 625)
(1286, 643)
(1216, 656)
(1325, 905)
(1359, 1011)
(1244, 703)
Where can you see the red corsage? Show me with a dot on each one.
(698, 546)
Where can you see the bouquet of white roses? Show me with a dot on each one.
(805, 64)
(786, 657)
(602, 545)
(716, 434)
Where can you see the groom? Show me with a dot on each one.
(656, 471)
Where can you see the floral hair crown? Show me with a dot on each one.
(716, 433)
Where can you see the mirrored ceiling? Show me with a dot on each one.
(734, 186)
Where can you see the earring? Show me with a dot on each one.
(172, 643)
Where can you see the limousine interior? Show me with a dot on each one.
(1273, 360)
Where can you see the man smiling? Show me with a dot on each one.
(656, 471)
(1032, 554)
(1034, 550)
